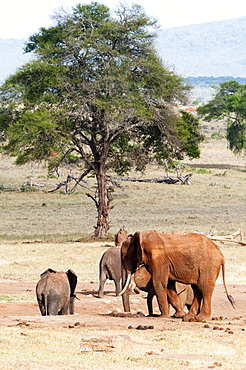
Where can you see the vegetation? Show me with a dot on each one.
(138, 205)
(97, 90)
(229, 104)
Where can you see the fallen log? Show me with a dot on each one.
(230, 238)
(168, 180)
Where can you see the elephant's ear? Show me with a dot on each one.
(140, 250)
(48, 271)
(72, 278)
(136, 242)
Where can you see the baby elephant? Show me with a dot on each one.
(110, 268)
(143, 281)
(55, 292)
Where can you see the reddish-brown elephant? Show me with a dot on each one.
(190, 259)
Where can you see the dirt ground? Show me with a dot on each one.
(101, 313)
(226, 329)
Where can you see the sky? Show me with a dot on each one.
(21, 18)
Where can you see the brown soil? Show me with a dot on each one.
(93, 311)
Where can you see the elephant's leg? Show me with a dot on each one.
(161, 295)
(53, 303)
(205, 312)
(103, 278)
(175, 301)
(196, 304)
(150, 297)
(41, 306)
(64, 310)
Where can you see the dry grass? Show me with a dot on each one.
(171, 351)
(214, 202)
(25, 261)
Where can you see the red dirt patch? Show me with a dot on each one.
(98, 312)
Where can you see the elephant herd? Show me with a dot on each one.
(180, 270)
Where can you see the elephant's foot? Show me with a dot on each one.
(197, 318)
(179, 314)
(202, 317)
(165, 316)
(188, 317)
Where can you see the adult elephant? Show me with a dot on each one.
(55, 292)
(143, 281)
(190, 259)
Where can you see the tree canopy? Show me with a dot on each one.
(96, 88)
(229, 104)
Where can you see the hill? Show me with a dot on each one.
(206, 49)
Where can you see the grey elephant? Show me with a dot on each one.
(55, 292)
(110, 268)
(120, 237)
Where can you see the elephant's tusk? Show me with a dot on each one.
(126, 285)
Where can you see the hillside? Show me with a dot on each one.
(206, 49)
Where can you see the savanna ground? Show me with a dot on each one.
(39, 230)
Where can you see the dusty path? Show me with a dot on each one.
(96, 312)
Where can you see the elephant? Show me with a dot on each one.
(190, 259)
(143, 281)
(110, 263)
(110, 268)
(120, 236)
(55, 292)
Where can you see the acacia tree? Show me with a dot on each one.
(229, 104)
(97, 88)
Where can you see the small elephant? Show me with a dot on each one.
(55, 292)
(110, 268)
(120, 236)
(142, 279)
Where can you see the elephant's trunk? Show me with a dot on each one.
(71, 304)
(127, 284)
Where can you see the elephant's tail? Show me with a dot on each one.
(230, 298)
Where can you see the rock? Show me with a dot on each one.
(108, 343)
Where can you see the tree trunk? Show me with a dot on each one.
(103, 206)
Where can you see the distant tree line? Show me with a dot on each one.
(210, 80)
